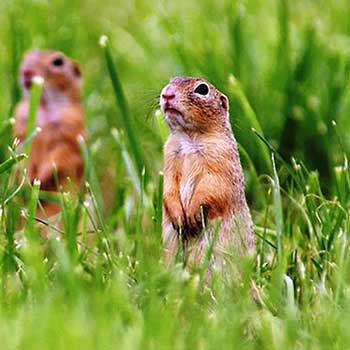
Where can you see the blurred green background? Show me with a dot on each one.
(291, 59)
(285, 66)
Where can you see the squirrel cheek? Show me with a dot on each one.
(61, 83)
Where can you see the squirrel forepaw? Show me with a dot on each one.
(178, 223)
(194, 222)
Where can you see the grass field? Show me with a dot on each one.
(285, 65)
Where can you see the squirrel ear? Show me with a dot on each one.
(224, 102)
(77, 69)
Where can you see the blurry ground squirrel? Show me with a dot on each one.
(60, 116)
(202, 169)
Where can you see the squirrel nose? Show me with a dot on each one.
(168, 93)
(168, 96)
(27, 74)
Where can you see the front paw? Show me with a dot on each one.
(177, 219)
(178, 223)
(174, 212)
(195, 221)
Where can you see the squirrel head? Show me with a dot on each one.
(61, 75)
(194, 105)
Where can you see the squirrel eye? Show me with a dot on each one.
(58, 62)
(202, 89)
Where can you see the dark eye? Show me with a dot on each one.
(202, 89)
(58, 62)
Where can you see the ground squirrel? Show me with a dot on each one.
(60, 116)
(202, 169)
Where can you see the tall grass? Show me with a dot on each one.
(100, 281)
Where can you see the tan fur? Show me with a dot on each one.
(202, 169)
(61, 118)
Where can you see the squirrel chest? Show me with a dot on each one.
(190, 155)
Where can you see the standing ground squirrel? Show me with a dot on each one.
(60, 116)
(202, 173)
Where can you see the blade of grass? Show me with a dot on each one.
(27, 141)
(9, 163)
(91, 177)
(158, 206)
(126, 118)
(209, 251)
(135, 178)
(70, 211)
(278, 208)
(29, 228)
(251, 117)
(291, 307)
(34, 101)
(259, 196)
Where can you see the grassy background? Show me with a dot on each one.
(285, 65)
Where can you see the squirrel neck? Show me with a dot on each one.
(219, 131)
(54, 105)
(53, 99)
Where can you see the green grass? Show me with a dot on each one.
(285, 66)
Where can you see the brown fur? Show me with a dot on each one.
(61, 118)
(202, 169)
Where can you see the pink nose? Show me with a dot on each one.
(168, 93)
(28, 74)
